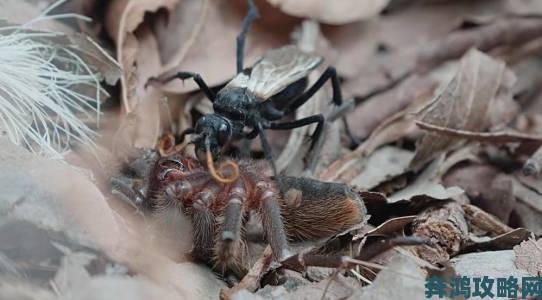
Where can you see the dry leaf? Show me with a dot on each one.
(123, 19)
(382, 165)
(371, 113)
(529, 256)
(493, 264)
(403, 274)
(391, 227)
(480, 83)
(330, 12)
(496, 137)
(486, 187)
(204, 40)
(427, 184)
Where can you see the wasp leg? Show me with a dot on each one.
(329, 73)
(303, 122)
(266, 148)
(315, 136)
(197, 78)
(252, 14)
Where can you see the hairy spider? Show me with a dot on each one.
(219, 211)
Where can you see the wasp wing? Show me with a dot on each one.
(277, 69)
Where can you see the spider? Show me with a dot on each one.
(219, 211)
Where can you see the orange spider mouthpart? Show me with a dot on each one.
(167, 147)
(227, 164)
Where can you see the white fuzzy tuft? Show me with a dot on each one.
(40, 106)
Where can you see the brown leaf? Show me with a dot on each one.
(529, 256)
(389, 228)
(371, 113)
(480, 83)
(528, 209)
(486, 188)
(403, 274)
(427, 184)
(504, 241)
(204, 40)
(382, 165)
(123, 19)
(512, 31)
(329, 12)
(497, 137)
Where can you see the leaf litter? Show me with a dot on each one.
(445, 109)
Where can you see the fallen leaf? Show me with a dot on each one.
(205, 40)
(403, 274)
(504, 241)
(529, 256)
(123, 19)
(369, 114)
(389, 228)
(493, 264)
(427, 184)
(331, 12)
(486, 188)
(512, 31)
(480, 83)
(382, 165)
(496, 137)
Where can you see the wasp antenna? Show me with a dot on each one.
(216, 174)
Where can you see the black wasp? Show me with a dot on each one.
(259, 96)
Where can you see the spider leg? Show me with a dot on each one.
(197, 78)
(203, 221)
(252, 14)
(272, 221)
(231, 249)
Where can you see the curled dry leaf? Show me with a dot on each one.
(484, 221)
(480, 84)
(427, 185)
(332, 12)
(505, 241)
(201, 37)
(123, 19)
(389, 228)
(529, 256)
(486, 188)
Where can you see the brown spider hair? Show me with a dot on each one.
(218, 210)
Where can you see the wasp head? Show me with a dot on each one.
(212, 131)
